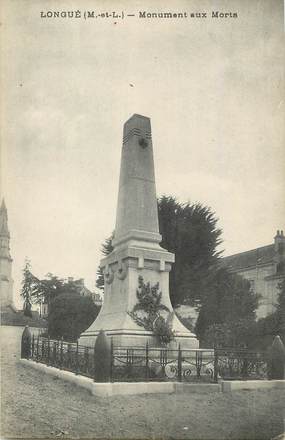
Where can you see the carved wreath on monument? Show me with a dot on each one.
(149, 311)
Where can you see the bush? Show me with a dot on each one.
(70, 315)
(163, 331)
(239, 333)
(228, 309)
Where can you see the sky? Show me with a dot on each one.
(213, 88)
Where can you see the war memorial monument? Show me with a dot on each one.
(137, 256)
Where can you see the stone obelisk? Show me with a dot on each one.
(136, 248)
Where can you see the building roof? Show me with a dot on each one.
(254, 257)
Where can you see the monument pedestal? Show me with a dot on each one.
(122, 269)
(136, 251)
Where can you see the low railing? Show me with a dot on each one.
(147, 363)
(63, 355)
(153, 364)
(243, 364)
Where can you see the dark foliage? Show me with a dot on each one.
(106, 250)
(70, 314)
(227, 313)
(190, 231)
(50, 287)
(147, 312)
(37, 291)
(27, 286)
(273, 324)
(225, 303)
(240, 333)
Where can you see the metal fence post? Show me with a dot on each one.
(58, 354)
(179, 364)
(48, 351)
(68, 355)
(245, 366)
(43, 349)
(86, 355)
(61, 354)
(33, 346)
(216, 361)
(54, 354)
(199, 363)
(146, 361)
(94, 362)
(112, 361)
(38, 342)
(77, 358)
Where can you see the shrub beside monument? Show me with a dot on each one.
(70, 314)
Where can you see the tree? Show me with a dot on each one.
(50, 287)
(273, 324)
(27, 287)
(227, 312)
(190, 231)
(70, 315)
(239, 333)
(225, 302)
(106, 249)
(36, 291)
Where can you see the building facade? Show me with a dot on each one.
(6, 281)
(83, 291)
(264, 268)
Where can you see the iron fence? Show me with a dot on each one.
(63, 355)
(161, 364)
(241, 364)
(153, 364)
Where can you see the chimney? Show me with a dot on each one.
(279, 242)
(81, 282)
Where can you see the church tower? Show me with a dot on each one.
(6, 281)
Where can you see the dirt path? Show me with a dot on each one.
(39, 406)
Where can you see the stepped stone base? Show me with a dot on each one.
(107, 389)
(132, 338)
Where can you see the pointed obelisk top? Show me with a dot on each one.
(4, 230)
(3, 205)
(137, 217)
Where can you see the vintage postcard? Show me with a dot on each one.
(142, 187)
